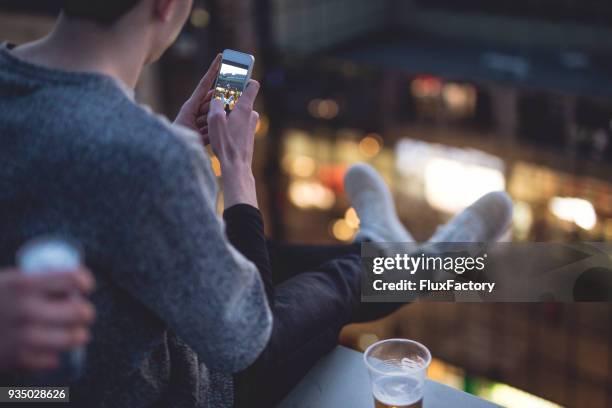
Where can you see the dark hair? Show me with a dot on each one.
(102, 11)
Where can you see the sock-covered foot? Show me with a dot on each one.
(374, 205)
(484, 221)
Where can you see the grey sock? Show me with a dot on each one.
(484, 221)
(372, 200)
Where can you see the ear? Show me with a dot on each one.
(164, 9)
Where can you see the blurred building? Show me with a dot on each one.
(523, 84)
(449, 100)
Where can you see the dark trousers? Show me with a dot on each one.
(316, 293)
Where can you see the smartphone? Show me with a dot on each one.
(235, 72)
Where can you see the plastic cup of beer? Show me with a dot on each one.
(398, 368)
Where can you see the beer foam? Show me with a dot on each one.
(397, 390)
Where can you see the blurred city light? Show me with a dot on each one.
(460, 99)
(522, 219)
(446, 373)
(608, 229)
(370, 145)
(449, 178)
(451, 185)
(351, 218)
(200, 17)
(298, 165)
(298, 141)
(426, 87)
(332, 176)
(323, 108)
(508, 396)
(576, 210)
(342, 231)
(311, 194)
(510, 64)
(498, 393)
(263, 124)
(347, 149)
(302, 166)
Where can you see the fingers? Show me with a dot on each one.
(53, 338)
(72, 311)
(36, 360)
(37, 345)
(205, 105)
(208, 79)
(205, 138)
(253, 122)
(216, 114)
(80, 281)
(46, 315)
(247, 99)
(63, 283)
(201, 120)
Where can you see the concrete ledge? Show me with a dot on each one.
(340, 379)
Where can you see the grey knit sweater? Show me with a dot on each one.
(178, 308)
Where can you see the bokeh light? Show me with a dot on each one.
(370, 145)
(200, 17)
(342, 231)
(311, 194)
(351, 218)
(576, 210)
(323, 108)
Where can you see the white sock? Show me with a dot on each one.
(484, 221)
(374, 205)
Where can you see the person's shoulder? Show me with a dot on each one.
(146, 131)
(103, 127)
(135, 132)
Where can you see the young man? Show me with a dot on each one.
(179, 309)
(189, 310)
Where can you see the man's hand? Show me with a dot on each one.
(194, 112)
(40, 317)
(232, 138)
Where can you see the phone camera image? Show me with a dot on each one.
(230, 83)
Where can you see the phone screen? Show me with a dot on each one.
(230, 83)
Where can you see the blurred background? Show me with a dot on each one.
(448, 99)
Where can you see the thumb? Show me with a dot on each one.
(208, 79)
(64, 283)
(247, 99)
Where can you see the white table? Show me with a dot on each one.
(340, 379)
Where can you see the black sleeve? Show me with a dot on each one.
(245, 230)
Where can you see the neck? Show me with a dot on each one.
(80, 45)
